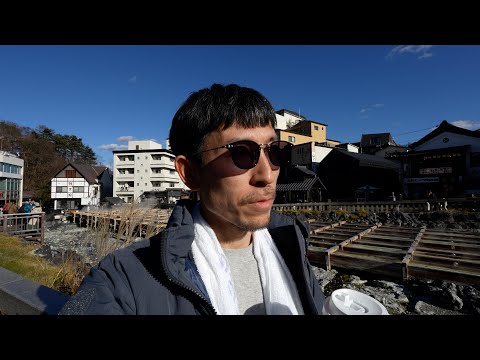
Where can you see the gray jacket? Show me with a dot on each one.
(159, 276)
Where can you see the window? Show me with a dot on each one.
(62, 189)
(172, 184)
(138, 184)
(146, 157)
(78, 189)
(137, 147)
(315, 127)
(70, 173)
(172, 172)
(291, 139)
(146, 170)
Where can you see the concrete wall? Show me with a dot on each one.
(20, 296)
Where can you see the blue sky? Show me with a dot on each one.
(108, 94)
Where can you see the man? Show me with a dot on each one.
(215, 256)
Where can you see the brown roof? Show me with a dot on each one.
(90, 172)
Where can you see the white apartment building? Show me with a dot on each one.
(144, 167)
(11, 178)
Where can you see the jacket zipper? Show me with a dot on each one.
(204, 304)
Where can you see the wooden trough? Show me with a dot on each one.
(397, 251)
(125, 222)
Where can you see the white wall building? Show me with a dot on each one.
(144, 167)
(287, 118)
(309, 154)
(79, 184)
(11, 178)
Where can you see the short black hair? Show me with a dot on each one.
(217, 107)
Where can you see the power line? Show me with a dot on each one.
(411, 132)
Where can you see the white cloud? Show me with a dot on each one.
(421, 51)
(125, 138)
(133, 79)
(426, 56)
(467, 124)
(369, 108)
(113, 147)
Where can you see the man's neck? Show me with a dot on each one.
(229, 236)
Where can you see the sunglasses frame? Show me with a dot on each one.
(256, 152)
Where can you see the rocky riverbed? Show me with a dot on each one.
(423, 297)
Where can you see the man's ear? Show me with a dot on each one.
(188, 172)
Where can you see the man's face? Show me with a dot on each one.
(236, 197)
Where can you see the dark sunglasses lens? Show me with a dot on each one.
(280, 153)
(245, 154)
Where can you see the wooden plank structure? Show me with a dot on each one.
(398, 251)
(125, 222)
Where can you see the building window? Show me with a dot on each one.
(137, 147)
(315, 127)
(138, 184)
(70, 173)
(172, 184)
(62, 189)
(78, 189)
(172, 172)
(291, 139)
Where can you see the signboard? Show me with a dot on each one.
(440, 170)
(421, 180)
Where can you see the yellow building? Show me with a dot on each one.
(306, 131)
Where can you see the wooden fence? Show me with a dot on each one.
(408, 206)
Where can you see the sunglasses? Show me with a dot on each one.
(245, 153)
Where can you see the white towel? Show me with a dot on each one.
(279, 290)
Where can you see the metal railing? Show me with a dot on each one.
(29, 226)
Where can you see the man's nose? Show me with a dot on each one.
(264, 173)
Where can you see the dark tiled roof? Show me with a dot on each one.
(304, 185)
(114, 200)
(89, 172)
(370, 160)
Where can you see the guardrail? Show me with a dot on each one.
(386, 206)
(30, 226)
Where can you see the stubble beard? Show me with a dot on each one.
(256, 224)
